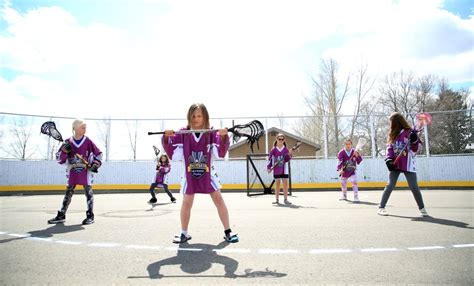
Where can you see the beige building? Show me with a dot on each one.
(241, 148)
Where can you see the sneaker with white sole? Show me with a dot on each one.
(59, 218)
(382, 211)
(356, 199)
(287, 202)
(232, 238)
(180, 238)
(424, 213)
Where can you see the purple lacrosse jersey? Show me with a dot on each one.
(162, 172)
(278, 159)
(77, 172)
(198, 153)
(406, 162)
(348, 160)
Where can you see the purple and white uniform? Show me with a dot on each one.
(77, 172)
(347, 159)
(198, 153)
(162, 174)
(406, 163)
(279, 158)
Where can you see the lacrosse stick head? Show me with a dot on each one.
(423, 119)
(252, 131)
(157, 151)
(360, 144)
(49, 128)
(297, 145)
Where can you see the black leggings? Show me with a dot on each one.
(165, 187)
(412, 183)
(89, 197)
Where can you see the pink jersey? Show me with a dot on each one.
(198, 153)
(77, 172)
(407, 159)
(278, 159)
(348, 161)
(162, 171)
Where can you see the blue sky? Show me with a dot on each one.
(152, 59)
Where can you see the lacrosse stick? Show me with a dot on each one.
(360, 144)
(252, 131)
(157, 151)
(422, 119)
(295, 147)
(49, 128)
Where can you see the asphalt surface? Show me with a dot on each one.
(316, 240)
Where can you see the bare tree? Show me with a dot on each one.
(132, 135)
(403, 92)
(21, 131)
(364, 86)
(104, 135)
(327, 99)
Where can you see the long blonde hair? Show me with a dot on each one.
(205, 114)
(397, 124)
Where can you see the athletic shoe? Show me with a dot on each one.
(232, 238)
(152, 201)
(180, 238)
(173, 200)
(287, 202)
(89, 218)
(60, 217)
(276, 202)
(382, 211)
(343, 198)
(356, 199)
(423, 212)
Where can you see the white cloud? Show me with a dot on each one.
(238, 58)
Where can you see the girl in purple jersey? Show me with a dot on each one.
(198, 150)
(163, 167)
(278, 163)
(403, 141)
(83, 158)
(348, 158)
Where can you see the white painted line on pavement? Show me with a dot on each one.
(145, 247)
(69, 242)
(189, 249)
(47, 239)
(463, 245)
(232, 250)
(426, 247)
(379, 249)
(103, 244)
(182, 249)
(278, 251)
(18, 235)
(326, 251)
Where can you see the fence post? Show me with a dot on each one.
(427, 142)
(325, 134)
(372, 135)
(266, 136)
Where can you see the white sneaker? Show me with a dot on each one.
(382, 211)
(343, 198)
(423, 212)
(356, 199)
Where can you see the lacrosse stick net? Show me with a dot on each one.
(49, 128)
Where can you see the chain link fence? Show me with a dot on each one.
(451, 133)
